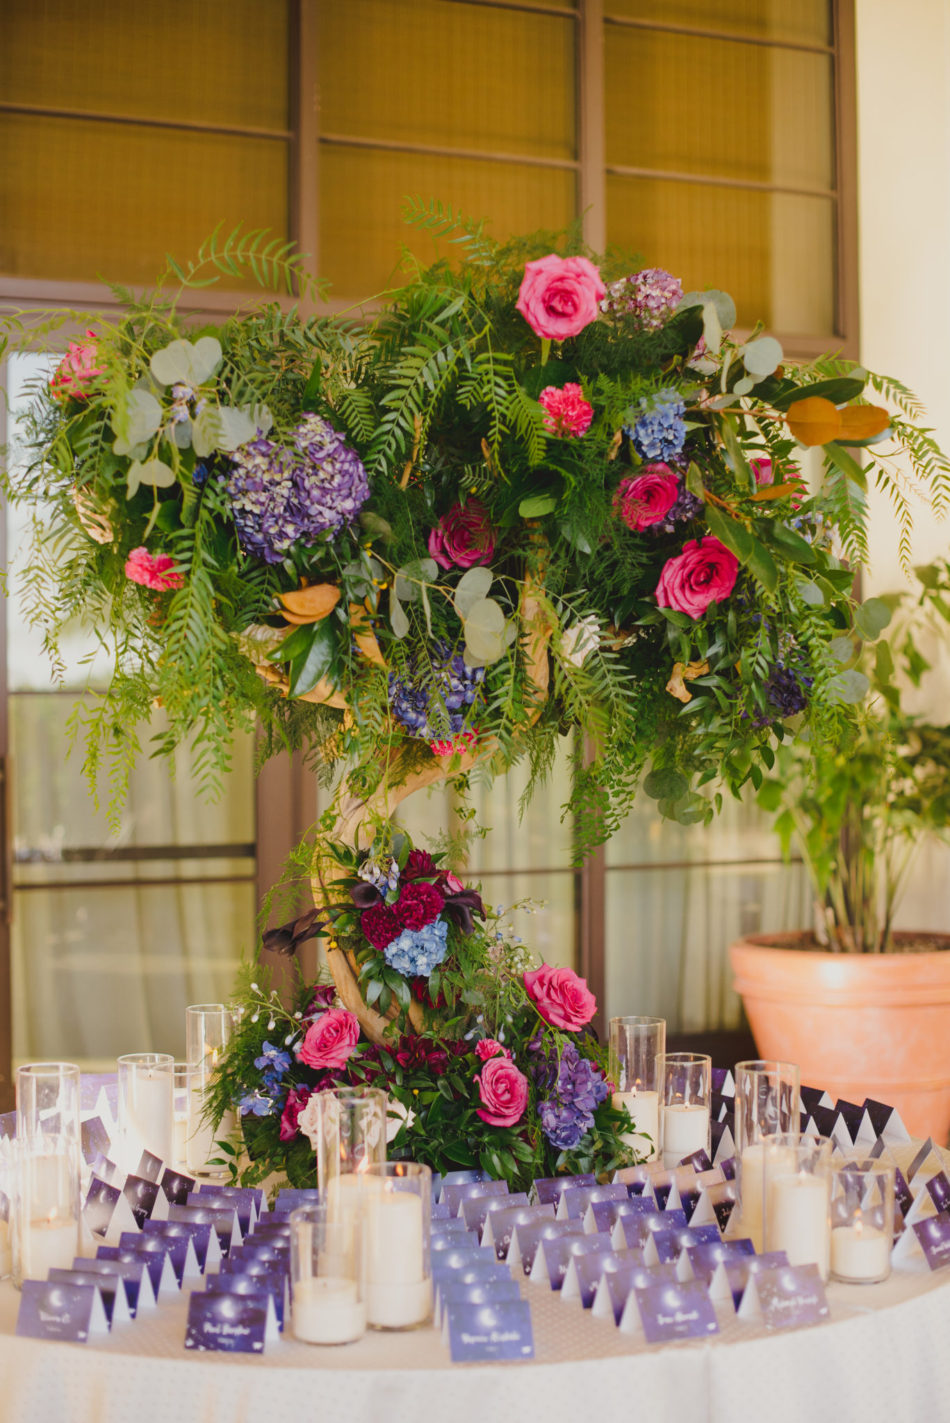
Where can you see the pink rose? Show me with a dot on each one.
(330, 1040)
(463, 537)
(762, 469)
(504, 1093)
(561, 997)
(152, 570)
(490, 1047)
(646, 498)
(559, 296)
(705, 572)
(566, 412)
(77, 371)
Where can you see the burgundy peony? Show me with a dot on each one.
(423, 1054)
(705, 572)
(644, 499)
(490, 1047)
(380, 925)
(297, 1099)
(419, 865)
(559, 296)
(561, 997)
(463, 537)
(504, 1093)
(419, 904)
(330, 1039)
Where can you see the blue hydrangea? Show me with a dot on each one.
(416, 952)
(659, 433)
(274, 1059)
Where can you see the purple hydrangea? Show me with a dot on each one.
(417, 699)
(416, 952)
(786, 688)
(686, 507)
(659, 432)
(651, 296)
(281, 496)
(578, 1091)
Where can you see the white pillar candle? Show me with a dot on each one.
(644, 1109)
(797, 1216)
(180, 1141)
(860, 1253)
(47, 1244)
(328, 1311)
(685, 1130)
(398, 1293)
(148, 1113)
(5, 1259)
(200, 1147)
(751, 1186)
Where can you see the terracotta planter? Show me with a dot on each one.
(859, 1025)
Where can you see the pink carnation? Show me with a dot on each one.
(566, 412)
(77, 371)
(561, 997)
(463, 537)
(646, 498)
(559, 296)
(458, 744)
(330, 1039)
(504, 1093)
(490, 1047)
(705, 572)
(152, 570)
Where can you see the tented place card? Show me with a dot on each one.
(238, 1324)
(107, 1212)
(207, 1252)
(547, 1189)
(134, 1276)
(453, 1195)
(176, 1186)
(731, 1275)
(452, 1294)
(51, 1309)
(111, 1289)
(554, 1255)
(146, 1199)
(926, 1163)
(785, 1297)
(584, 1273)
(477, 1208)
(616, 1287)
(159, 1268)
(243, 1284)
(930, 1237)
(675, 1311)
(661, 1247)
(94, 1139)
(500, 1224)
(478, 1332)
(526, 1238)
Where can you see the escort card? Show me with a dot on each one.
(176, 1186)
(158, 1266)
(445, 1261)
(731, 1275)
(439, 1211)
(453, 1195)
(715, 1205)
(699, 1160)
(728, 1167)
(603, 1215)
(273, 1230)
(454, 1240)
(526, 1238)
(547, 1189)
(893, 1131)
(553, 1257)
(244, 1210)
(616, 1287)
(938, 1188)
(573, 1204)
(94, 1139)
(241, 1283)
(902, 1192)
(853, 1116)
(663, 1247)
(225, 1221)
(107, 1212)
(143, 1197)
(649, 1223)
(133, 1274)
(477, 1208)
(292, 1198)
(207, 1252)
(927, 1162)
(451, 1294)
(272, 1274)
(490, 1331)
(784, 1297)
(500, 1224)
(236, 1324)
(477, 1274)
(584, 1273)
(249, 1195)
(180, 1249)
(110, 1287)
(467, 1176)
(455, 1225)
(931, 1236)
(150, 1167)
(674, 1311)
(814, 1097)
(635, 1178)
(274, 1252)
(51, 1309)
(703, 1258)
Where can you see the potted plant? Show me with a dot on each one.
(864, 1009)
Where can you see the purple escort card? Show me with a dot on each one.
(886, 1122)
(453, 1293)
(617, 1286)
(243, 1209)
(732, 1274)
(636, 1228)
(444, 1262)
(272, 1274)
(225, 1221)
(455, 1225)
(206, 1249)
(526, 1238)
(151, 1167)
(490, 1331)
(275, 1253)
(274, 1230)
(176, 1186)
(468, 1275)
(453, 1240)
(933, 1236)
(704, 1258)
(107, 1211)
(250, 1195)
(180, 1250)
(603, 1215)
(784, 1297)
(676, 1311)
(500, 1224)
(573, 1204)
(52, 1309)
(584, 1273)
(439, 1211)
(938, 1188)
(110, 1287)
(546, 1190)
(94, 1139)
(142, 1196)
(292, 1198)
(454, 1194)
(133, 1274)
(699, 1161)
(159, 1268)
(236, 1324)
(814, 1097)
(241, 1283)
(554, 1256)
(476, 1209)
(664, 1247)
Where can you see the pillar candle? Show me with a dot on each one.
(328, 1311)
(46, 1244)
(398, 1293)
(148, 1112)
(685, 1130)
(860, 1253)
(644, 1108)
(797, 1218)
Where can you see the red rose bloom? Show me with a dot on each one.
(380, 925)
(419, 904)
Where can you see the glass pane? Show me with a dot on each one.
(84, 201)
(462, 76)
(804, 22)
(740, 832)
(149, 60)
(770, 111)
(774, 254)
(362, 192)
(548, 929)
(97, 973)
(538, 839)
(668, 933)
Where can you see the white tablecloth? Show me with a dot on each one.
(883, 1358)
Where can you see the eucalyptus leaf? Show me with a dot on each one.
(665, 784)
(153, 472)
(744, 386)
(809, 593)
(397, 617)
(872, 618)
(485, 630)
(186, 363)
(206, 431)
(472, 586)
(841, 649)
(237, 428)
(761, 356)
(850, 687)
(136, 420)
(181, 433)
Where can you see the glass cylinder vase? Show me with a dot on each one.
(146, 1106)
(47, 1159)
(350, 1137)
(685, 1085)
(635, 1044)
(862, 1220)
(766, 1102)
(328, 1277)
(207, 1032)
(796, 1194)
(396, 1209)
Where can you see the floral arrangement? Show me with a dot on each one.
(489, 1063)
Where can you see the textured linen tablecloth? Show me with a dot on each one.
(883, 1358)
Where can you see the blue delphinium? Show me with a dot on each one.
(568, 1116)
(416, 952)
(272, 1059)
(659, 432)
(417, 699)
(256, 1104)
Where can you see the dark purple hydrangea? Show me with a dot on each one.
(281, 495)
(651, 296)
(787, 688)
(579, 1090)
(659, 431)
(686, 507)
(417, 699)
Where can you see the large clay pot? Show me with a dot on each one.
(859, 1025)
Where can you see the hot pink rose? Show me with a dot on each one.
(504, 1093)
(559, 296)
(762, 469)
(330, 1039)
(566, 412)
(152, 570)
(561, 997)
(77, 371)
(463, 537)
(705, 572)
(490, 1047)
(646, 498)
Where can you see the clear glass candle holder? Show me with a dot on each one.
(47, 1160)
(685, 1085)
(180, 1114)
(350, 1128)
(796, 1195)
(207, 1033)
(328, 1277)
(862, 1220)
(635, 1044)
(766, 1102)
(396, 1209)
(146, 1105)
(7, 1177)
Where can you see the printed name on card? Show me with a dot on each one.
(451, 1294)
(784, 1297)
(676, 1311)
(490, 1331)
(52, 1309)
(236, 1324)
(930, 1237)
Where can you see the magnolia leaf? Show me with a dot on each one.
(537, 505)
(789, 543)
(152, 472)
(814, 420)
(863, 422)
(761, 356)
(838, 390)
(472, 587)
(310, 667)
(186, 363)
(872, 618)
(735, 536)
(136, 421)
(850, 687)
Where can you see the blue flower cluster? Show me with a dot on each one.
(660, 431)
(272, 1064)
(417, 699)
(382, 878)
(580, 1088)
(416, 952)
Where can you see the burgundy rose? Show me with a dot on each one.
(559, 296)
(419, 865)
(561, 997)
(419, 988)
(422, 1054)
(463, 537)
(297, 1099)
(330, 1039)
(504, 1093)
(321, 997)
(705, 572)
(419, 904)
(380, 926)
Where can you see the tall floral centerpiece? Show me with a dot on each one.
(527, 492)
